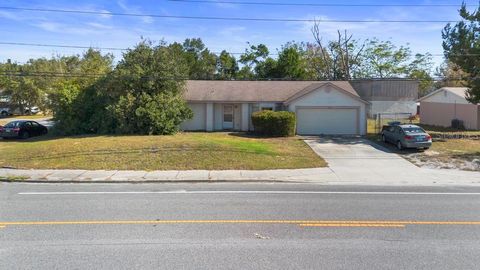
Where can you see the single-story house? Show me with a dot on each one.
(321, 107)
(441, 106)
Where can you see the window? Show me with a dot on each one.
(13, 124)
(227, 118)
(267, 108)
(414, 130)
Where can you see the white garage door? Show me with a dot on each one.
(198, 120)
(320, 121)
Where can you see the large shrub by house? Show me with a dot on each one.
(142, 95)
(271, 123)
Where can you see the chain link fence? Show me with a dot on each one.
(384, 118)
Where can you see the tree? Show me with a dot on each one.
(383, 59)
(142, 95)
(420, 69)
(147, 90)
(227, 66)
(461, 43)
(338, 59)
(292, 63)
(452, 75)
(201, 62)
(255, 55)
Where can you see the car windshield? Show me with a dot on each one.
(13, 124)
(413, 130)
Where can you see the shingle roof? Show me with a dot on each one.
(253, 91)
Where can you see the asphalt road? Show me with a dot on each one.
(237, 226)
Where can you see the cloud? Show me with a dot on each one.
(134, 9)
(49, 26)
(105, 16)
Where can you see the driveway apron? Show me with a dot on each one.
(359, 160)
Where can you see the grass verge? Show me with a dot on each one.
(183, 151)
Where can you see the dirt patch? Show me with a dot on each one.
(460, 154)
(434, 160)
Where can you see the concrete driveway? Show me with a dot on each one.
(357, 160)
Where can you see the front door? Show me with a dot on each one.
(227, 116)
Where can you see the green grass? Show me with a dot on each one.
(177, 152)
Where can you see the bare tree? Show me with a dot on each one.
(340, 58)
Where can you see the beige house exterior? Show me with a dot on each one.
(440, 107)
(328, 108)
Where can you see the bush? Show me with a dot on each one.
(458, 124)
(270, 123)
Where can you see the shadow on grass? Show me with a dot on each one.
(377, 143)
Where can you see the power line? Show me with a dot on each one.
(125, 49)
(75, 74)
(313, 4)
(61, 46)
(220, 18)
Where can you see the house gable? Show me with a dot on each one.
(444, 95)
(330, 93)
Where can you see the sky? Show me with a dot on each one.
(124, 32)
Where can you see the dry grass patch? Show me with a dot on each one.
(461, 154)
(211, 151)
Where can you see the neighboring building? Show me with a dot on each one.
(388, 95)
(440, 107)
(321, 107)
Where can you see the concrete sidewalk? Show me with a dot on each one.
(314, 174)
(423, 177)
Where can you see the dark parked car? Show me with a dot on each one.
(406, 136)
(22, 129)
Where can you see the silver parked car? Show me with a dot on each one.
(406, 136)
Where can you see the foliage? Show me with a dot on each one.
(274, 123)
(150, 114)
(338, 59)
(140, 96)
(202, 63)
(452, 75)
(461, 43)
(227, 66)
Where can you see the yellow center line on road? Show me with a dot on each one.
(298, 222)
(351, 225)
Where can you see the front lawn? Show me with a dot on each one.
(184, 151)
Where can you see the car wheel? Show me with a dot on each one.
(25, 135)
(399, 145)
(384, 139)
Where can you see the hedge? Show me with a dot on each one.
(271, 123)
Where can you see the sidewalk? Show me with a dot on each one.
(102, 176)
(327, 176)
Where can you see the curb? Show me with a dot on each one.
(148, 181)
